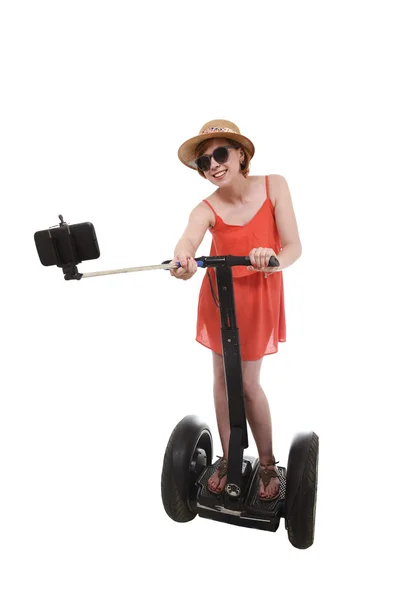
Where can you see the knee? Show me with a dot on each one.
(219, 381)
(218, 371)
(251, 391)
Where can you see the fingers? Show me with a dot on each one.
(260, 258)
(179, 271)
(188, 266)
(191, 267)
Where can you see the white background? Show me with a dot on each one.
(96, 99)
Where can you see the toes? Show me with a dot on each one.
(271, 490)
(221, 485)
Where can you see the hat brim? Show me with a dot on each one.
(186, 152)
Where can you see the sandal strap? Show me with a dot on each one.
(271, 463)
(222, 468)
(267, 474)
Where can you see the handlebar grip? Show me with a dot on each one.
(200, 263)
(273, 262)
(245, 261)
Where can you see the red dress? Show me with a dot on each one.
(259, 301)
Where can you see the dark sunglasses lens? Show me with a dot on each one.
(203, 163)
(221, 155)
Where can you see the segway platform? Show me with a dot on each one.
(251, 511)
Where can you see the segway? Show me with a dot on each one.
(187, 464)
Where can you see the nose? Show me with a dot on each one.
(214, 164)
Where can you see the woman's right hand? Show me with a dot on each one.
(187, 269)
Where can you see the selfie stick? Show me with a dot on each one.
(59, 246)
(133, 269)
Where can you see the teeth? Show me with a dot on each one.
(219, 174)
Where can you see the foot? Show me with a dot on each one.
(217, 482)
(269, 485)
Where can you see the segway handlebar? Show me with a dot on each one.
(68, 245)
(229, 260)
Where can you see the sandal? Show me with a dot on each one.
(221, 471)
(266, 475)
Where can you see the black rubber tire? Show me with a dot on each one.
(301, 492)
(190, 438)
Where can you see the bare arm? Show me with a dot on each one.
(286, 224)
(187, 246)
(194, 233)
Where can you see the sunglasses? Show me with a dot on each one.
(220, 155)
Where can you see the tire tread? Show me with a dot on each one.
(301, 534)
(174, 504)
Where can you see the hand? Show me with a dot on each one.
(187, 269)
(260, 259)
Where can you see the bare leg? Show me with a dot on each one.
(258, 416)
(259, 419)
(222, 415)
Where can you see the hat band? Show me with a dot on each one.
(212, 129)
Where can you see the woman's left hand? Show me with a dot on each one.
(260, 259)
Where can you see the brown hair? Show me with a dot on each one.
(247, 157)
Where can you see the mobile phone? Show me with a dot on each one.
(67, 244)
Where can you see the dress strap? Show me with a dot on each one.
(210, 206)
(267, 187)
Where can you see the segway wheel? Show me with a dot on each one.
(188, 453)
(301, 491)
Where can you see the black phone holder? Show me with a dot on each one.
(66, 246)
(70, 252)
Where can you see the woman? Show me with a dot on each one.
(247, 216)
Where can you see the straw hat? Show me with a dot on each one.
(213, 129)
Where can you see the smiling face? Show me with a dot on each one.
(222, 174)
